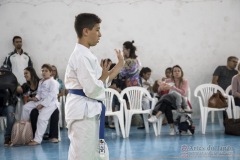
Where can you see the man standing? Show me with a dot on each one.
(18, 60)
(86, 80)
(222, 75)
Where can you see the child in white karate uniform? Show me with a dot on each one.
(84, 73)
(45, 101)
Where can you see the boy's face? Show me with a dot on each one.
(94, 35)
(147, 75)
(46, 73)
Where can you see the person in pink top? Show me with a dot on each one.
(176, 82)
(236, 86)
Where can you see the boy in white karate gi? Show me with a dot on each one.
(86, 74)
(45, 101)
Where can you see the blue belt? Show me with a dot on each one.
(102, 116)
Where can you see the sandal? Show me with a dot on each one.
(33, 143)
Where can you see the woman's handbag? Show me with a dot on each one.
(217, 100)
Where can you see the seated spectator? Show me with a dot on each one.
(223, 75)
(147, 83)
(168, 73)
(176, 82)
(29, 90)
(8, 100)
(45, 101)
(167, 103)
(236, 87)
(56, 77)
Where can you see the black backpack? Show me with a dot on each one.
(8, 86)
(185, 124)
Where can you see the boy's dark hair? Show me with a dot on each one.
(144, 70)
(129, 45)
(231, 58)
(48, 66)
(16, 37)
(85, 20)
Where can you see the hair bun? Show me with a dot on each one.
(132, 41)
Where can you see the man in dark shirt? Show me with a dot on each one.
(222, 75)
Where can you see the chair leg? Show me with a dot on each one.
(121, 123)
(220, 119)
(204, 122)
(128, 124)
(116, 125)
(159, 123)
(237, 113)
(2, 125)
(59, 133)
(146, 124)
(212, 117)
(155, 128)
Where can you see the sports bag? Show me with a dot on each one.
(185, 124)
(21, 133)
(232, 126)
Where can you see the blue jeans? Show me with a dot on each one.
(9, 112)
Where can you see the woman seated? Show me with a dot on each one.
(176, 83)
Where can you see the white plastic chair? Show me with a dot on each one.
(158, 126)
(135, 96)
(235, 109)
(117, 115)
(203, 93)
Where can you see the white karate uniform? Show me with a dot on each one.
(82, 113)
(47, 96)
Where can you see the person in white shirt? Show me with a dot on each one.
(18, 60)
(45, 101)
(85, 74)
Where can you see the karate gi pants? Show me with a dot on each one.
(84, 138)
(43, 118)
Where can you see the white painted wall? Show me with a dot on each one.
(198, 35)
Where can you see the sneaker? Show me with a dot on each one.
(53, 140)
(7, 141)
(184, 133)
(172, 131)
(153, 119)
